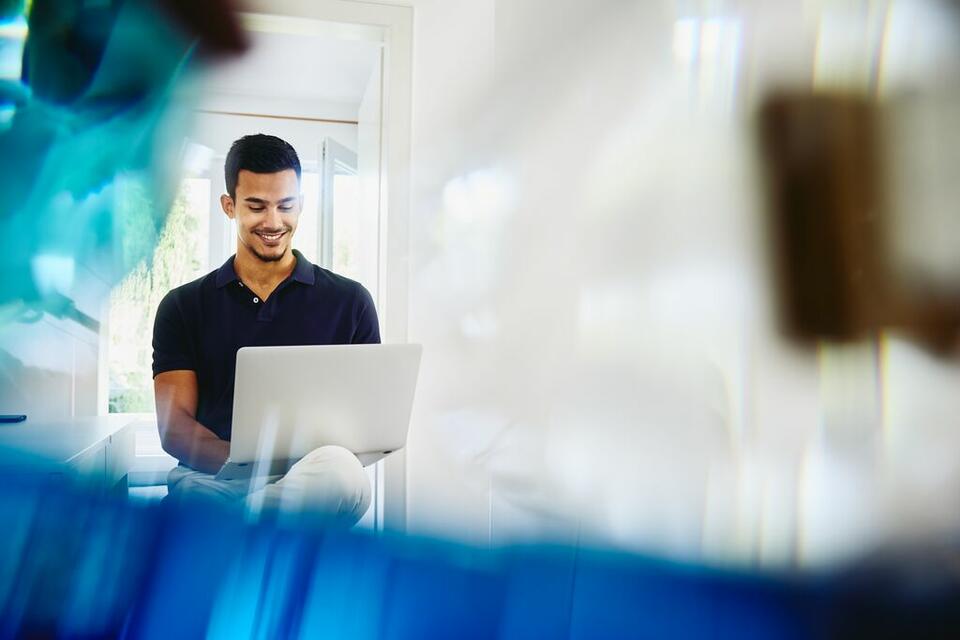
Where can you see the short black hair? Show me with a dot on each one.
(259, 153)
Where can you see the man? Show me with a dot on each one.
(267, 294)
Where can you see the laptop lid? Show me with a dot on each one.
(290, 400)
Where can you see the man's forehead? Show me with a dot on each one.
(282, 182)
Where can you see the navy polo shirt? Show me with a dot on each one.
(201, 325)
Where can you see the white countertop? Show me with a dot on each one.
(63, 440)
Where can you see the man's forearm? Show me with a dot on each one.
(194, 445)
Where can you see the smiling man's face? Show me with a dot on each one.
(266, 208)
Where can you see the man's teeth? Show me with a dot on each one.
(271, 236)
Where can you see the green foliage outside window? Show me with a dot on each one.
(133, 306)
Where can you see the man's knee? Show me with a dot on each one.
(329, 480)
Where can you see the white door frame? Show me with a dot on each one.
(391, 24)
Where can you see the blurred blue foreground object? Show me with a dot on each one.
(91, 127)
(85, 565)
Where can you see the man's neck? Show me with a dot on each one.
(263, 277)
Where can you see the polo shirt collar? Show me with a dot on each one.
(226, 274)
(302, 271)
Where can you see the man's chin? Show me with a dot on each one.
(270, 257)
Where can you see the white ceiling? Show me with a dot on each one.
(298, 67)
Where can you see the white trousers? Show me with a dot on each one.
(328, 483)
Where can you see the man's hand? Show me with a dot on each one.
(180, 434)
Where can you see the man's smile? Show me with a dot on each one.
(270, 238)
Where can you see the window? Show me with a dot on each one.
(181, 255)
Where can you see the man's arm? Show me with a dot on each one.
(366, 324)
(180, 434)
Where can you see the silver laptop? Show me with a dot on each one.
(288, 401)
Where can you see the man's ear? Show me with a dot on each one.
(226, 202)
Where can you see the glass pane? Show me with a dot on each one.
(307, 238)
(346, 226)
(180, 256)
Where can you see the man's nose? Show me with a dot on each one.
(274, 220)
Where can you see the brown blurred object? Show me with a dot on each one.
(215, 24)
(825, 214)
(827, 225)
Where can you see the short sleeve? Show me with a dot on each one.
(171, 340)
(367, 325)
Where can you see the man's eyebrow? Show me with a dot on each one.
(253, 200)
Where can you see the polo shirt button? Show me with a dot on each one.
(256, 300)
